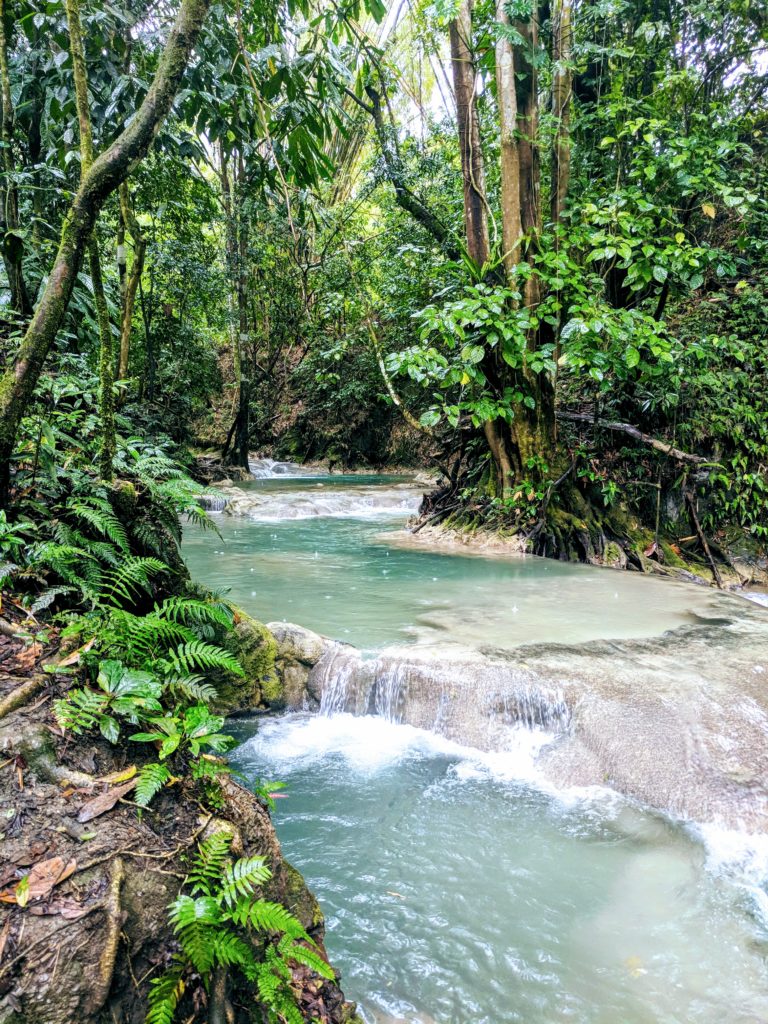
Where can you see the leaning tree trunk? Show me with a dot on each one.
(103, 177)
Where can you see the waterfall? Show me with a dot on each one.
(268, 469)
(471, 701)
(212, 502)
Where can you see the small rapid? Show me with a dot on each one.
(458, 887)
(472, 803)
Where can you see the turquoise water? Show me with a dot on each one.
(456, 893)
(458, 888)
(340, 575)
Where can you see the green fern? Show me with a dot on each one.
(100, 515)
(152, 778)
(197, 654)
(80, 710)
(209, 862)
(191, 687)
(164, 995)
(194, 611)
(133, 575)
(241, 878)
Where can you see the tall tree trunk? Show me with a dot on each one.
(562, 88)
(105, 175)
(511, 217)
(528, 124)
(475, 210)
(131, 280)
(106, 368)
(243, 430)
(473, 171)
(12, 243)
(237, 312)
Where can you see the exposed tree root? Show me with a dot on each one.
(21, 695)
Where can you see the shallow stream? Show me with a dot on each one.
(459, 887)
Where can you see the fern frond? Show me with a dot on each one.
(209, 862)
(133, 575)
(195, 922)
(199, 655)
(309, 956)
(99, 514)
(80, 709)
(242, 878)
(191, 687)
(152, 778)
(192, 611)
(229, 948)
(164, 996)
(46, 599)
(266, 916)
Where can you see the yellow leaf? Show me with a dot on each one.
(679, 237)
(122, 776)
(708, 210)
(741, 286)
(465, 378)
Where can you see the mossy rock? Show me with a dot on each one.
(255, 648)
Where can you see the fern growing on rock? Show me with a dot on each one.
(221, 922)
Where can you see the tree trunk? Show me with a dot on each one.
(562, 88)
(106, 368)
(511, 219)
(105, 175)
(473, 172)
(131, 281)
(12, 244)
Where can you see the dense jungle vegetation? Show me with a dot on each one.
(524, 244)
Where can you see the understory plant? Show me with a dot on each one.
(221, 923)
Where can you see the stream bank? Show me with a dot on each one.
(92, 931)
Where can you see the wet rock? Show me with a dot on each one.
(297, 650)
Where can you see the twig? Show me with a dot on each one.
(695, 520)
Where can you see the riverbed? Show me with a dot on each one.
(461, 885)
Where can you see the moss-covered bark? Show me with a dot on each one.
(103, 177)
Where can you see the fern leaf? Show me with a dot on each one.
(79, 711)
(152, 778)
(310, 957)
(242, 878)
(191, 610)
(133, 575)
(265, 916)
(229, 948)
(192, 687)
(164, 996)
(208, 866)
(199, 655)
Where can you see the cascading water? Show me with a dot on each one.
(449, 803)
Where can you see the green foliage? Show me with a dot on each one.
(223, 921)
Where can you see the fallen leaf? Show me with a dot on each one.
(123, 776)
(389, 892)
(708, 210)
(74, 657)
(66, 907)
(41, 879)
(104, 801)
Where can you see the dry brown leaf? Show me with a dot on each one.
(42, 877)
(74, 657)
(104, 801)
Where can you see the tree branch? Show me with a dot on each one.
(637, 434)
